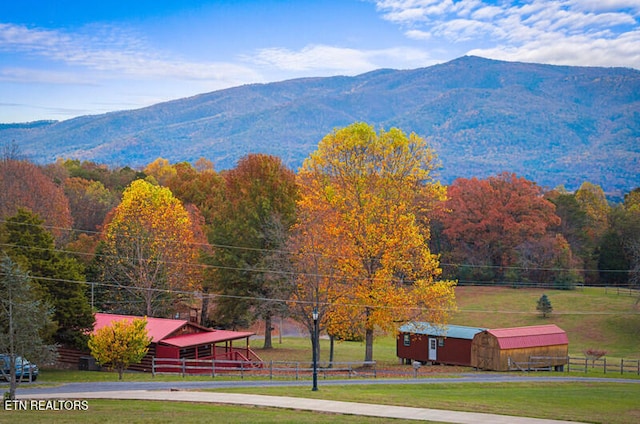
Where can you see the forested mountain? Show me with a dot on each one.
(551, 124)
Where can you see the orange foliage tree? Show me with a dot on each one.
(24, 185)
(363, 191)
(489, 219)
(148, 248)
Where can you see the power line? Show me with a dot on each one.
(213, 296)
(288, 252)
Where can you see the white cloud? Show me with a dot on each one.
(574, 51)
(576, 32)
(111, 52)
(318, 58)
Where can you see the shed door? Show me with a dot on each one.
(433, 348)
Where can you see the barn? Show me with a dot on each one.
(427, 343)
(176, 339)
(504, 349)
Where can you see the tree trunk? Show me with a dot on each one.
(204, 314)
(267, 332)
(331, 343)
(368, 352)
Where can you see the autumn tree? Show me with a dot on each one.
(89, 202)
(625, 231)
(148, 249)
(200, 186)
(490, 218)
(368, 188)
(161, 170)
(24, 185)
(58, 277)
(120, 344)
(251, 223)
(594, 204)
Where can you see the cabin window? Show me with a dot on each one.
(407, 339)
(440, 341)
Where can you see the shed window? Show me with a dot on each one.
(407, 339)
(440, 341)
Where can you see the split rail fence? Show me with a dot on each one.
(271, 369)
(579, 364)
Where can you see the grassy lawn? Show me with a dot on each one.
(132, 412)
(608, 403)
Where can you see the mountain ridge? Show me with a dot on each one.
(552, 124)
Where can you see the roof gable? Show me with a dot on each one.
(157, 328)
(532, 336)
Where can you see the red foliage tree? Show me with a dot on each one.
(24, 185)
(488, 219)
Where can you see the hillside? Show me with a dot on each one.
(552, 124)
(593, 317)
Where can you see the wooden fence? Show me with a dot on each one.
(579, 364)
(272, 369)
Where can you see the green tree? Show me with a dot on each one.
(251, 224)
(59, 277)
(544, 306)
(24, 320)
(120, 344)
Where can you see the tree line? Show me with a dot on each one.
(363, 233)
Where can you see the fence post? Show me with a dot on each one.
(605, 365)
(213, 367)
(297, 366)
(586, 365)
(271, 369)
(622, 366)
(184, 366)
(153, 366)
(242, 370)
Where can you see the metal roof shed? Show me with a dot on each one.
(428, 343)
(502, 349)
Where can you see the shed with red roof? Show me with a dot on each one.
(504, 349)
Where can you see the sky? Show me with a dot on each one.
(65, 58)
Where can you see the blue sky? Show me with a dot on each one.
(65, 58)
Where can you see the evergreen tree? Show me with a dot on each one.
(58, 277)
(544, 306)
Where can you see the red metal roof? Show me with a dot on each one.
(214, 336)
(157, 328)
(524, 337)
